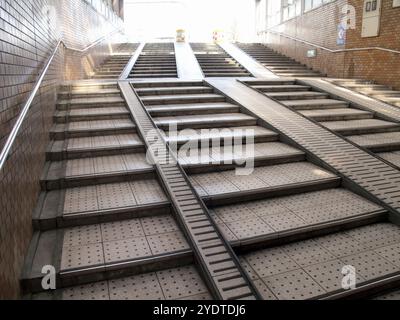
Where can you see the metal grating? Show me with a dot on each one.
(219, 264)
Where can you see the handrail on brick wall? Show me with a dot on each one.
(327, 49)
(96, 42)
(21, 118)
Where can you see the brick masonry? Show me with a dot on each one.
(320, 26)
(29, 31)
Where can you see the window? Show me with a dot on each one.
(274, 13)
(104, 7)
(311, 4)
(290, 9)
(282, 10)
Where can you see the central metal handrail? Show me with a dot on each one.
(5, 153)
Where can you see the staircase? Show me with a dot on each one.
(103, 214)
(105, 223)
(268, 215)
(276, 62)
(157, 60)
(115, 64)
(362, 127)
(215, 62)
(273, 222)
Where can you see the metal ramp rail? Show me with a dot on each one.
(220, 267)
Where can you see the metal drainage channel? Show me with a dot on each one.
(369, 175)
(220, 267)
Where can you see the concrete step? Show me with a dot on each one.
(281, 272)
(393, 157)
(145, 65)
(366, 86)
(77, 148)
(315, 104)
(114, 64)
(182, 99)
(271, 219)
(352, 81)
(157, 57)
(130, 197)
(128, 247)
(91, 128)
(227, 187)
(382, 94)
(105, 77)
(218, 136)
(278, 63)
(154, 70)
(221, 65)
(97, 102)
(192, 109)
(230, 70)
(337, 114)
(155, 63)
(394, 101)
(239, 74)
(63, 95)
(217, 61)
(281, 88)
(299, 72)
(355, 127)
(272, 82)
(189, 287)
(312, 269)
(215, 58)
(205, 121)
(167, 84)
(212, 159)
(88, 86)
(116, 61)
(149, 66)
(108, 72)
(173, 91)
(89, 114)
(300, 75)
(393, 295)
(124, 248)
(306, 95)
(96, 170)
(378, 142)
(288, 68)
(158, 75)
